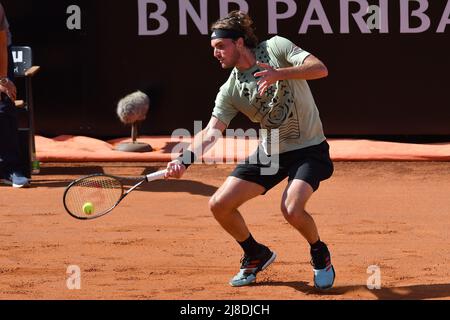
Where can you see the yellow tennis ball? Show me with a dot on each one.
(88, 208)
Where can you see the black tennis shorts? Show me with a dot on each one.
(311, 164)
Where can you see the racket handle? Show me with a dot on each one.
(156, 175)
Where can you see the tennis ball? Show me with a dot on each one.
(88, 208)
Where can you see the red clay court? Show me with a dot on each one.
(163, 243)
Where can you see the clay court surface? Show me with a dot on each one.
(163, 243)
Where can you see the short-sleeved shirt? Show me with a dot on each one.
(287, 105)
(4, 25)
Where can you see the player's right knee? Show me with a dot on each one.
(217, 205)
(214, 204)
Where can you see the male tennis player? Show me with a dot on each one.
(267, 84)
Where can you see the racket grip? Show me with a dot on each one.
(156, 175)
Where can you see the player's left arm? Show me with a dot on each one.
(311, 69)
(294, 63)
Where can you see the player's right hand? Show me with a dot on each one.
(175, 169)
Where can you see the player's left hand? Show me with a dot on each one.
(269, 76)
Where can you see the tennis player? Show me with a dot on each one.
(268, 84)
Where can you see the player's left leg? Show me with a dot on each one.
(293, 206)
(312, 166)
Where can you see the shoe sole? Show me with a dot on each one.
(9, 183)
(20, 185)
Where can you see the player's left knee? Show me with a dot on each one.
(294, 214)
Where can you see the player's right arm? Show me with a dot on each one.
(203, 141)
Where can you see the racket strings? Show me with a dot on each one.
(102, 192)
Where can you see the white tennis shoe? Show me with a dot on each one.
(324, 273)
(250, 266)
(17, 180)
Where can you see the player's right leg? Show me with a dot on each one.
(225, 201)
(224, 204)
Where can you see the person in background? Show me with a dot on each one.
(10, 172)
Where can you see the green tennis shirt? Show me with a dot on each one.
(286, 110)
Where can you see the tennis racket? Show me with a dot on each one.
(95, 195)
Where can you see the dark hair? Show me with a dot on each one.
(240, 22)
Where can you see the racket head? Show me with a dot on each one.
(92, 196)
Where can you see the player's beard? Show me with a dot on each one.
(234, 58)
